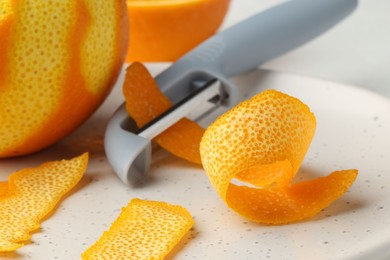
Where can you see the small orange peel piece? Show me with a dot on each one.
(144, 102)
(144, 230)
(262, 142)
(33, 193)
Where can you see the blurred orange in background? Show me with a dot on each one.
(164, 30)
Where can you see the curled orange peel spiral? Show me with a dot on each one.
(144, 102)
(261, 143)
(33, 193)
(143, 230)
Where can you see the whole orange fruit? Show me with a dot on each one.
(164, 30)
(58, 61)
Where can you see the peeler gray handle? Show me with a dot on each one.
(253, 42)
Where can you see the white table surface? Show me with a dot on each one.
(355, 52)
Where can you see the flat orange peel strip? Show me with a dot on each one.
(144, 102)
(273, 130)
(144, 230)
(32, 194)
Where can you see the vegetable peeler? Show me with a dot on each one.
(199, 81)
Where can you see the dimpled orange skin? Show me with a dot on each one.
(164, 30)
(144, 230)
(32, 194)
(262, 142)
(58, 62)
(269, 128)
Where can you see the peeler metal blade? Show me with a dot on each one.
(132, 164)
(238, 49)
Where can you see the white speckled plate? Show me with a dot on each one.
(353, 132)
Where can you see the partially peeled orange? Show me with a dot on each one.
(58, 61)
